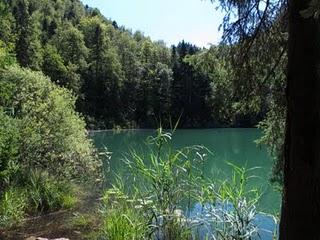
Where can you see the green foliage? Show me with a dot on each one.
(70, 44)
(233, 207)
(28, 46)
(165, 181)
(13, 203)
(54, 66)
(122, 220)
(273, 128)
(168, 182)
(125, 218)
(213, 66)
(104, 75)
(9, 148)
(46, 193)
(150, 210)
(274, 124)
(124, 78)
(7, 24)
(34, 192)
(68, 200)
(52, 134)
(120, 78)
(82, 221)
(190, 88)
(6, 57)
(258, 57)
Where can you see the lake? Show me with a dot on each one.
(227, 144)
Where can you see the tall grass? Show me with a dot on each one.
(164, 182)
(37, 192)
(12, 207)
(47, 194)
(122, 220)
(231, 210)
(163, 187)
(168, 179)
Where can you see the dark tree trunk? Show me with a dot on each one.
(301, 200)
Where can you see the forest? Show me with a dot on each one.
(124, 79)
(66, 70)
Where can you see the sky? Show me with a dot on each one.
(195, 21)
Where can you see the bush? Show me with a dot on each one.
(40, 129)
(6, 56)
(52, 134)
(12, 207)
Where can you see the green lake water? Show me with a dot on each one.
(228, 145)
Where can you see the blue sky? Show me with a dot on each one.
(195, 21)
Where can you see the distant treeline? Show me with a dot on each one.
(121, 78)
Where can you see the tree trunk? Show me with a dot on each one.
(301, 199)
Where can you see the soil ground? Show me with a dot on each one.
(60, 224)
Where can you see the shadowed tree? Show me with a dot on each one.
(28, 46)
(301, 189)
(191, 88)
(104, 75)
(301, 212)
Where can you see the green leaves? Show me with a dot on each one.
(6, 56)
(12, 207)
(9, 148)
(165, 180)
(167, 190)
(45, 193)
(312, 11)
(52, 134)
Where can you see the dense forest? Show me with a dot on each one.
(124, 79)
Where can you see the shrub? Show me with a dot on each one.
(6, 56)
(68, 200)
(52, 134)
(41, 131)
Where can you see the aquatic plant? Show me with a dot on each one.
(164, 185)
(232, 211)
(121, 219)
